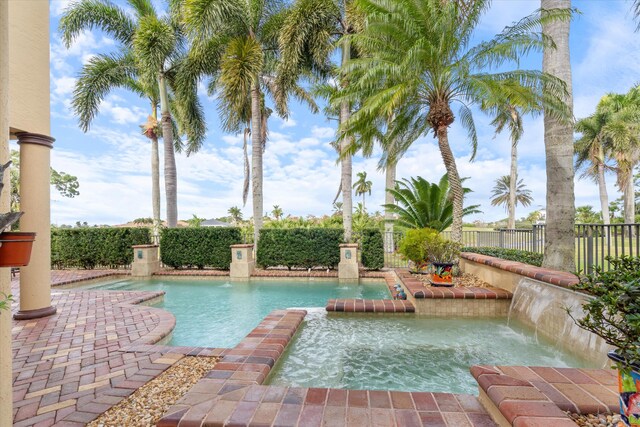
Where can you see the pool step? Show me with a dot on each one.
(370, 306)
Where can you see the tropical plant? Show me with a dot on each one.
(501, 195)
(7, 219)
(311, 33)
(237, 44)
(149, 62)
(614, 312)
(431, 65)
(413, 245)
(195, 221)
(362, 186)
(586, 215)
(277, 212)
(421, 204)
(236, 214)
(5, 301)
(591, 156)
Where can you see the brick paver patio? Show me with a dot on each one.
(70, 367)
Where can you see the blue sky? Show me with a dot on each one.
(112, 160)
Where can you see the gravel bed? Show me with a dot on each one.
(146, 405)
(595, 420)
(466, 280)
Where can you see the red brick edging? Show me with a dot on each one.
(559, 278)
(420, 291)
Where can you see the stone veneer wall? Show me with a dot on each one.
(541, 298)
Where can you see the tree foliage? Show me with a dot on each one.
(299, 247)
(198, 246)
(502, 190)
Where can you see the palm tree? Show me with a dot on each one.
(559, 246)
(236, 214)
(237, 44)
(426, 65)
(502, 194)
(425, 205)
(148, 62)
(311, 33)
(362, 186)
(591, 156)
(277, 212)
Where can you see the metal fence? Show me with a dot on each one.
(593, 243)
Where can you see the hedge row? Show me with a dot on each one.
(198, 247)
(299, 247)
(372, 249)
(91, 247)
(527, 257)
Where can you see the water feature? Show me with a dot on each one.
(408, 353)
(219, 313)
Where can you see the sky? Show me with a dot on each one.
(112, 160)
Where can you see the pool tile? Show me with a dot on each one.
(357, 398)
(334, 416)
(401, 400)
(456, 419)
(447, 402)
(265, 414)
(407, 418)
(481, 420)
(311, 416)
(432, 419)
(382, 417)
(379, 399)
(295, 396)
(337, 397)
(243, 414)
(316, 396)
(424, 401)
(288, 415)
(274, 394)
(357, 416)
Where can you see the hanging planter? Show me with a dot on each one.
(15, 248)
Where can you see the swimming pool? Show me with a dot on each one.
(407, 353)
(219, 313)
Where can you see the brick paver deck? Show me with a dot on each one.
(70, 367)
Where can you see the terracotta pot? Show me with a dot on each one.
(629, 393)
(15, 248)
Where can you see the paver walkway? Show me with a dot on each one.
(72, 366)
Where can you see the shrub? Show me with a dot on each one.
(527, 257)
(372, 249)
(91, 247)
(614, 312)
(200, 247)
(299, 247)
(414, 245)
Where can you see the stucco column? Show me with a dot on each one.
(35, 176)
(6, 411)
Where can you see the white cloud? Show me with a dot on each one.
(63, 85)
(323, 132)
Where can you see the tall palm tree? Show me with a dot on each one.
(591, 156)
(236, 214)
(419, 56)
(421, 204)
(559, 247)
(362, 186)
(622, 115)
(502, 195)
(151, 51)
(237, 44)
(277, 212)
(312, 31)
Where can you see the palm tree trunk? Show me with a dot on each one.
(390, 180)
(513, 181)
(155, 179)
(559, 248)
(454, 183)
(345, 163)
(170, 173)
(602, 186)
(629, 200)
(256, 158)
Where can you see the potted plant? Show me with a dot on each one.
(614, 314)
(443, 255)
(15, 247)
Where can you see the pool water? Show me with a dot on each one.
(220, 313)
(370, 352)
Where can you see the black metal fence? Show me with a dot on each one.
(593, 243)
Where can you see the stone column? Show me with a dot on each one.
(348, 267)
(242, 263)
(35, 176)
(6, 398)
(145, 260)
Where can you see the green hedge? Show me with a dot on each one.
(372, 249)
(531, 258)
(299, 247)
(198, 247)
(92, 247)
